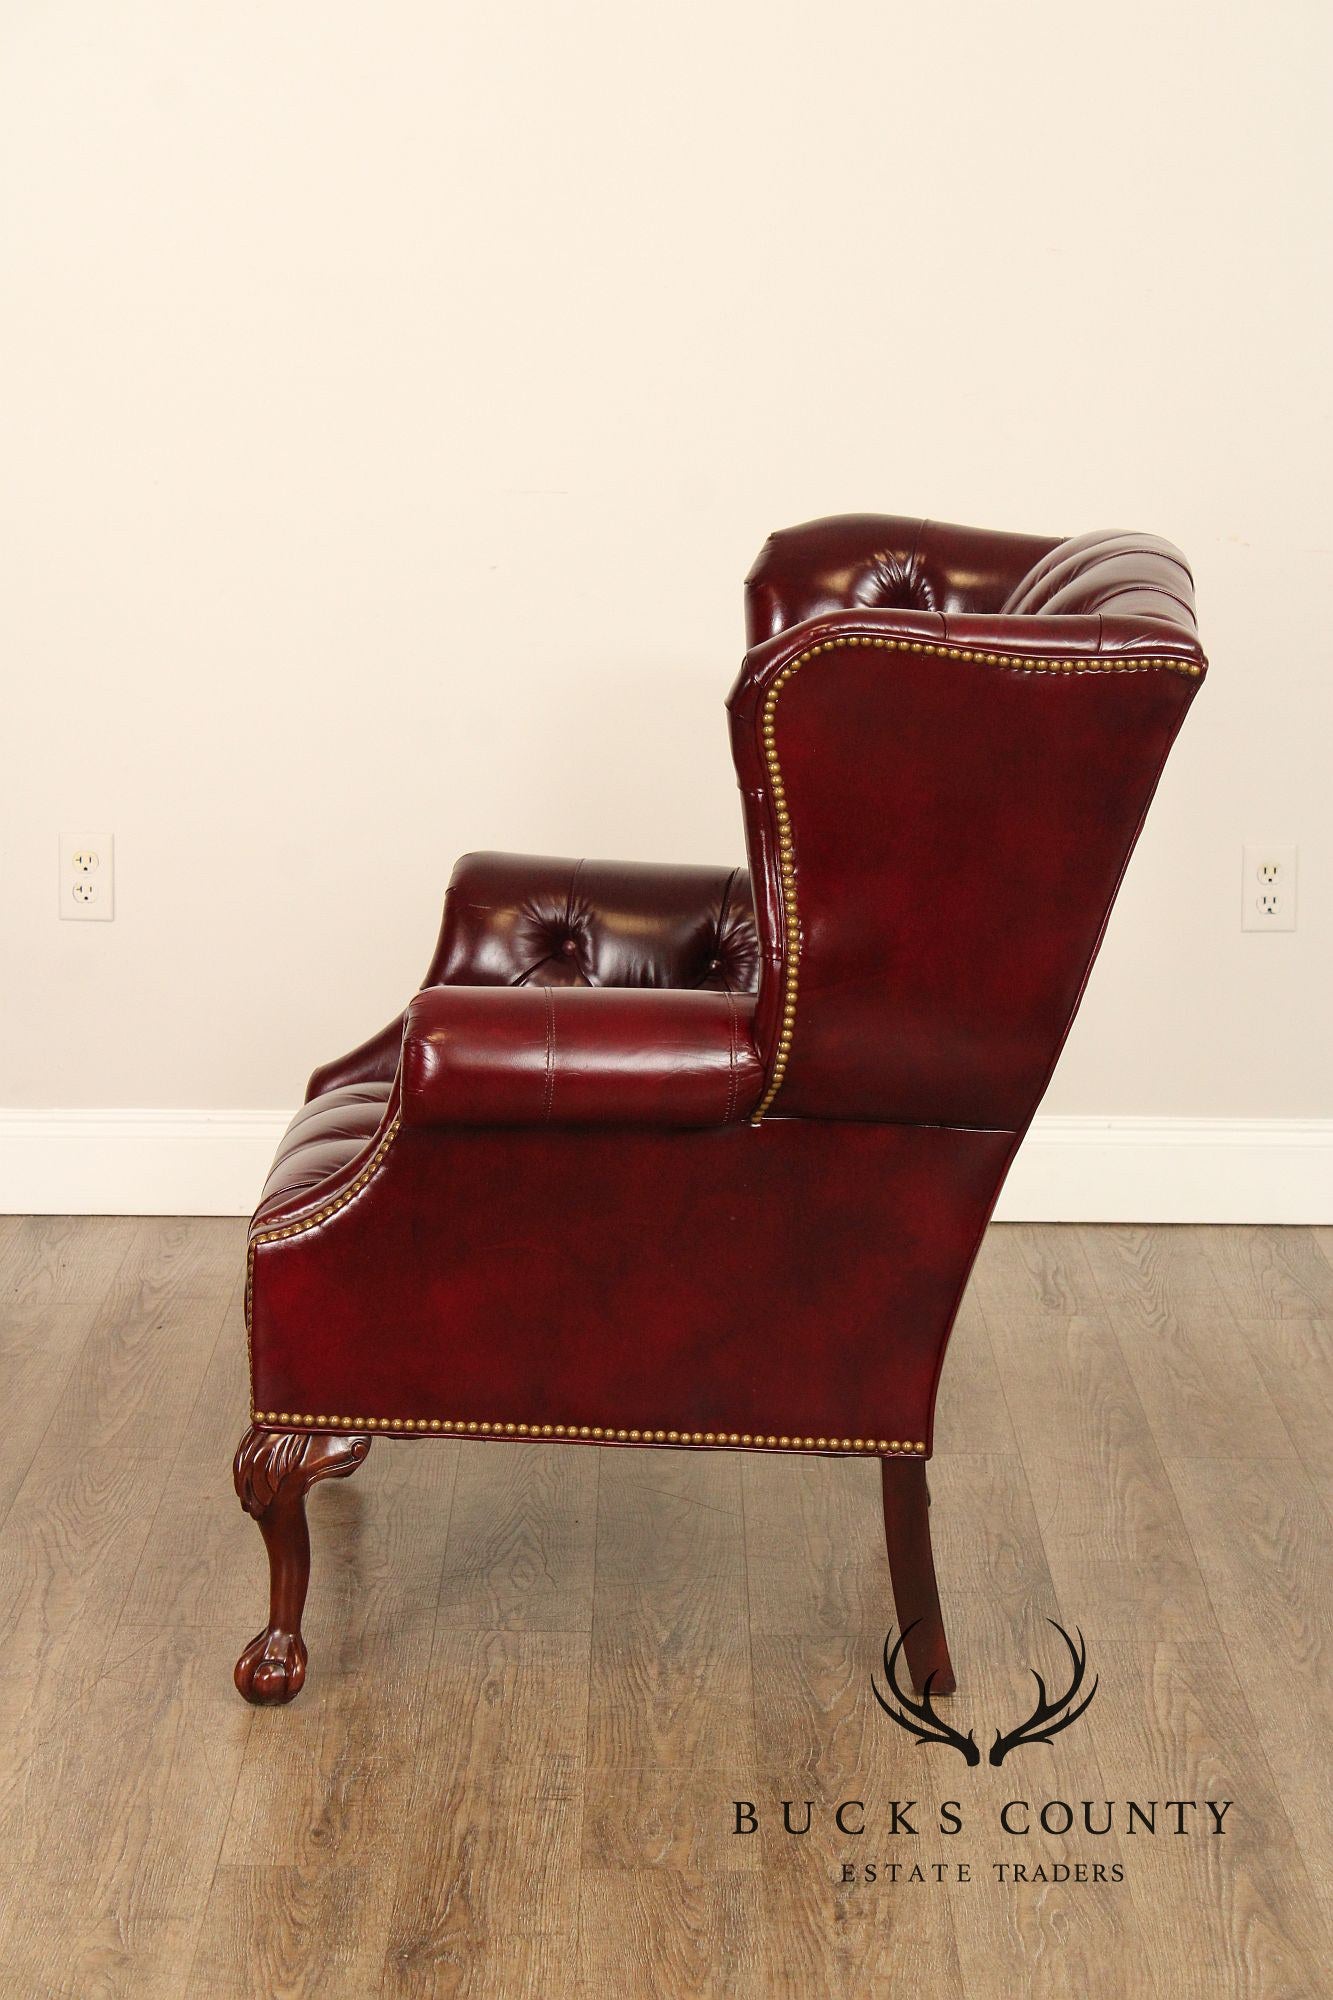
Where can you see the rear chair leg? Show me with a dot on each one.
(274, 1471)
(916, 1594)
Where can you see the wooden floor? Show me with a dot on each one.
(540, 1675)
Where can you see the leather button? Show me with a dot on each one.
(570, 946)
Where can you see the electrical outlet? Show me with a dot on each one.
(1268, 888)
(88, 877)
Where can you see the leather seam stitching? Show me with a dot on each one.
(733, 1086)
(549, 1096)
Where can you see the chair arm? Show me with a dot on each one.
(525, 918)
(530, 1055)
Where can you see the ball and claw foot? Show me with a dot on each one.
(274, 1471)
(271, 1670)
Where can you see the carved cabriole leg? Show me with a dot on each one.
(274, 1471)
(916, 1595)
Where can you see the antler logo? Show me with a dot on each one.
(1047, 1719)
(919, 1718)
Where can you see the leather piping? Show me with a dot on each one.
(1023, 664)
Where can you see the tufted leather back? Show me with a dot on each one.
(882, 562)
(1135, 574)
(597, 923)
(946, 742)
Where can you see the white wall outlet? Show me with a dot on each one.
(1268, 888)
(88, 877)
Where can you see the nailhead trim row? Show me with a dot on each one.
(304, 1222)
(599, 1432)
(1023, 664)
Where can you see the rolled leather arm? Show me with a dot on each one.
(543, 1055)
(544, 920)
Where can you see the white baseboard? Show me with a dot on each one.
(135, 1162)
(1172, 1170)
(1069, 1170)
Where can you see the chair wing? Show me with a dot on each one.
(940, 806)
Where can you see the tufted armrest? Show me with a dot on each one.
(525, 1055)
(538, 920)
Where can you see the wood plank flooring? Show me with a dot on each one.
(540, 1676)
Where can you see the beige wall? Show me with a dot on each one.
(395, 398)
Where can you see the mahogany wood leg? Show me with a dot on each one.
(274, 1471)
(916, 1595)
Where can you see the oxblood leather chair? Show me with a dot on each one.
(673, 1157)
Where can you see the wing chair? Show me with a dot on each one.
(668, 1158)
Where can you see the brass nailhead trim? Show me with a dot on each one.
(300, 1226)
(1023, 664)
(457, 1426)
(305, 1222)
(880, 1447)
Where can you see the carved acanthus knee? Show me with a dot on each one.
(270, 1463)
